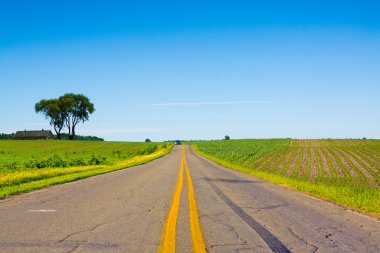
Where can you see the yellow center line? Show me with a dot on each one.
(168, 243)
(168, 238)
(196, 231)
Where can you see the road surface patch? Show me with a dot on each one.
(273, 243)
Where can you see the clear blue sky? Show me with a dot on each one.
(195, 69)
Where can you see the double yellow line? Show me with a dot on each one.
(168, 243)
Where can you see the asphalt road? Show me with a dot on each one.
(128, 210)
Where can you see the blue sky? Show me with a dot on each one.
(195, 69)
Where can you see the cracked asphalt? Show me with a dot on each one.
(125, 211)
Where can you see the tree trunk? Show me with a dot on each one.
(58, 133)
(72, 135)
(68, 127)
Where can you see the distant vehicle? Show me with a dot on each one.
(177, 142)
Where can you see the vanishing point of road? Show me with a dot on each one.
(180, 203)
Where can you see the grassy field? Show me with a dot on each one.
(28, 165)
(342, 171)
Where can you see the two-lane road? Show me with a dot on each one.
(136, 210)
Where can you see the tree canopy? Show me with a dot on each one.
(7, 136)
(66, 111)
(53, 109)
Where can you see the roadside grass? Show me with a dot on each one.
(359, 193)
(19, 181)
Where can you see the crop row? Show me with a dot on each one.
(310, 160)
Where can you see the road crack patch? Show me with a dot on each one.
(230, 228)
(303, 240)
(84, 241)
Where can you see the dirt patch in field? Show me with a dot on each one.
(286, 161)
(278, 156)
(346, 164)
(363, 159)
(303, 166)
(314, 166)
(263, 163)
(373, 159)
(257, 163)
(333, 165)
(338, 169)
(354, 162)
(324, 162)
(372, 153)
(293, 163)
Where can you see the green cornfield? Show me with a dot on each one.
(28, 165)
(345, 171)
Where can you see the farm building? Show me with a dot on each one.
(34, 135)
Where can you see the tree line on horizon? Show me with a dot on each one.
(66, 111)
(64, 136)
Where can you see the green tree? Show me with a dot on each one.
(148, 140)
(227, 138)
(53, 110)
(7, 136)
(78, 109)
